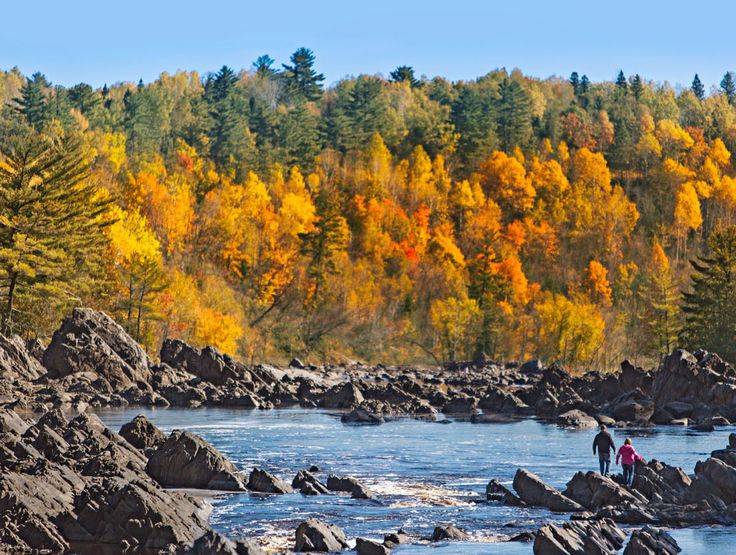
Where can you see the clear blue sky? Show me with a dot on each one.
(104, 42)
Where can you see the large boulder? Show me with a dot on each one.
(264, 482)
(16, 362)
(186, 460)
(579, 538)
(576, 419)
(137, 514)
(342, 396)
(651, 541)
(308, 484)
(91, 341)
(634, 410)
(370, 547)
(443, 533)
(721, 475)
(350, 485)
(214, 543)
(594, 491)
(315, 535)
(533, 491)
(142, 433)
(209, 363)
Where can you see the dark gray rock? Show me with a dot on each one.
(316, 536)
(263, 482)
(350, 485)
(651, 541)
(443, 533)
(91, 341)
(142, 433)
(186, 460)
(533, 491)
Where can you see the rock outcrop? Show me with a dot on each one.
(91, 341)
(315, 535)
(142, 434)
(186, 460)
(76, 485)
(533, 491)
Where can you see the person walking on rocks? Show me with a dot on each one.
(603, 444)
(628, 456)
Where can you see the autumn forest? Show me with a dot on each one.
(385, 219)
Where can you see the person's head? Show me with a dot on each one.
(603, 428)
(627, 441)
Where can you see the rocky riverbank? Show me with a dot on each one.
(91, 361)
(69, 483)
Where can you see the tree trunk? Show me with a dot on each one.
(8, 314)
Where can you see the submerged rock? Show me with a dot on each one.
(350, 485)
(186, 460)
(449, 532)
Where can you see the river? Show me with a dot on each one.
(423, 473)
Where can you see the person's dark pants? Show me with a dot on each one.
(628, 474)
(605, 463)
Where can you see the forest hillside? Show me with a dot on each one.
(397, 219)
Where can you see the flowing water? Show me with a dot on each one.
(423, 473)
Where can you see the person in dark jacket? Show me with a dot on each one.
(603, 444)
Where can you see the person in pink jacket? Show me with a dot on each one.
(628, 456)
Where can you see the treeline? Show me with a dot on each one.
(398, 219)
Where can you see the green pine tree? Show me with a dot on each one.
(300, 76)
(404, 74)
(33, 103)
(698, 88)
(637, 87)
(728, 86)
(709, 307)
(514, 115)
(621, 81)
(50, 218)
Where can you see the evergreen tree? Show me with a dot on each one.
(33, 103)
(228, 130)
(298, 136)
(404, 74)
(584, 89)
(474, 115)
(59, 107)
(514, 115)
(301, 77)
(50, 218)
(575, 82)
(709, 308)
(263, 66)
(637, 87)
(85, 99)
(621, 82)
(698, 88)
(584, 84)
(728, 86)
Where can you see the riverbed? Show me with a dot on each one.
(423, 473)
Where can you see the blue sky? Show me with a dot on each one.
(104, 42)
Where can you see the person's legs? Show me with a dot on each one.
(602, 463)
(628, 473)
(631, 475)
(608, 466)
